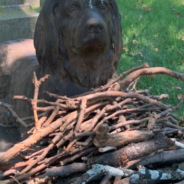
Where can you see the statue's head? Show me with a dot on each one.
(79, 39)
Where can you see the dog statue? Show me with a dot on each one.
(78, 43)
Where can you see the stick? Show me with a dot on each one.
(65, 170)
(106, 179)
(81, 115)
(147, 71)
(9, 107)
(98, 169)
(132, 152)
(103, 139)
(36, 91)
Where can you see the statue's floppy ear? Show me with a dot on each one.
(46, 38)
(116, 31)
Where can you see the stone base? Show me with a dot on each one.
(34, 3)
(11, 2)
(18, 28)
(17, 21)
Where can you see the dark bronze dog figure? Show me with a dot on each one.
(77, 42)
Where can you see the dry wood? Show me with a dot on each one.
(65, 170)
(9, 107)
(174, 156)
(107, 118)
(147, 71)
(106, 179)
(102, 138)
(132, 152)
(34, 101)
(117, 180)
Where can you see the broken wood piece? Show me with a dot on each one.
(107, 148)
(152, 120)
(9, 107)
(155, 175)
(117, 180)
(98, 169)
(168, 157)
(81, 115)
(63, 171)
(132, 152)
(181, 145)
(106, 179)
(103, 139)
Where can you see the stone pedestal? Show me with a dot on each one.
(17, 20)
(34, 3)
(11, 2)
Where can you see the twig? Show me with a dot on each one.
(106, 179)
(99, 169)
(9, 107)
(147, 71)
(81, 115)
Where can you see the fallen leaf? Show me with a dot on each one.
(147, 9)
(182, 38)
(140, 17)
(125, 48)
(180, 53)
(181, 62)
(135, 42)
(173, 9)
(138, 54)
(183, 3)
(180, 96)
(178, 15)
(156, 50)
(136, 7)
(177, 88)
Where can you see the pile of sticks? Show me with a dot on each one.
(113, 133)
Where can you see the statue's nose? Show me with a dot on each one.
(94, 26)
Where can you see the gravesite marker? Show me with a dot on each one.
(17, 20)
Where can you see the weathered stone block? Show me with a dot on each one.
(34, 3)
(17, 21)
(11, 2)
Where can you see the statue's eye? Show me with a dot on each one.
(55, 8)
(72, 8)
(102, 6)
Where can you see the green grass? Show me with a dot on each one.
(36, 9)
(159, 34)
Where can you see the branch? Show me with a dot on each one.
(98, 169)
(147, 71)
(9, 107)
